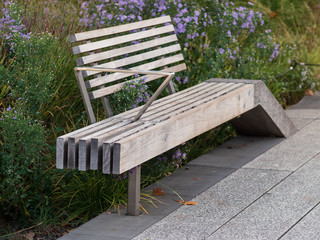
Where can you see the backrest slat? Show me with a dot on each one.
(122, 39)
(125, 50)
(106, 91)
(117, 29)
(148, 66)
(126, 62)
(144, 45)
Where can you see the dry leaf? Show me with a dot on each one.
(245, 145)
(187, 168)
(230, 147)
(187, 203)
(273, 14)
(29, 235)
(309, 92)
(108, 212)
(190, 203)
(157, 192)
(195, 178)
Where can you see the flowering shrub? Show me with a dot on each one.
(130, 96)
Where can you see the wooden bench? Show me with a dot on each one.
(122, 142)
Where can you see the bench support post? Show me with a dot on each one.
(133, 206)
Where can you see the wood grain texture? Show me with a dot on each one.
(117, 87)
(125, 50)
(118, 29)
(184, 126)
(122, 39)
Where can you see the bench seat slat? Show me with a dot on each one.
(125, 62)
(122, 39)
(88, 156)
(210, 96)
(118, 29)
(184, 126)
(125, 50)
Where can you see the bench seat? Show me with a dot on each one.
(118, 144)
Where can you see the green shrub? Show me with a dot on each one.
(22, 166)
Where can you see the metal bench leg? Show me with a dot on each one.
(133, 207)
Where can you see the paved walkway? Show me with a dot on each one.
(248, 188)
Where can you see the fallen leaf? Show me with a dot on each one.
(245, 145)
(309, 92)
(190, 203)
(273, 14)
(195, 178)
(157, 192)
(108, 212)
(187, 168)
(29, 235)
(187, 203)
(230, 147)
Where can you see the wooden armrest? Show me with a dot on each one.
(169, 75)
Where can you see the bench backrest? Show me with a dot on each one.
(144, 45)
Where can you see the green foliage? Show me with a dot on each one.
(82, 195)
(131, 95)
(21, 167)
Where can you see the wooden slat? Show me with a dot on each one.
(148, 66)
(84, 144)
(61, 154)
(97, 142)
(125, 50)
(168, 134)
(116, 87)
(161, 117)
(187, 102)
(135, 59)
(122, 39)
(118, 29)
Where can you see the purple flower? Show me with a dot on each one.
(186, 45)
(229, 33)
(197, 13)
(221, 50)
(250, 3)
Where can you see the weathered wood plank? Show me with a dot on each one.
(107, 145)
(122, 39)
(176, 130)
(61, 154)
(118, 29)
(135, 59)
(117, 87)
(97, 141)
(144, 67)
(125, 50)
(83, 146)
(189, 101)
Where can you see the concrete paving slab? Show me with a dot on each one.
(215, 206)
(308, 102)
(307, 228)
(113, 226)
(237, 152)
(184, 183)
(278, 210)
(303, 113)
(301, 122)
(291, 154)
